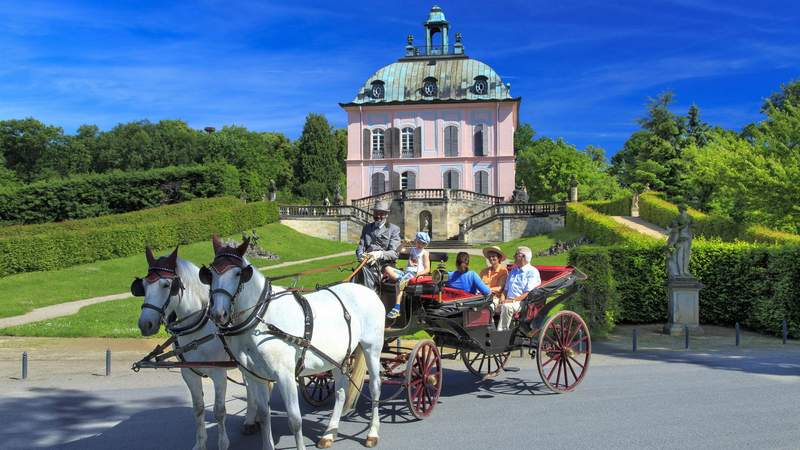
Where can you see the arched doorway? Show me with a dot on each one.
(426, 222)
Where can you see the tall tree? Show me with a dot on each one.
(318, 153)
(26, 145)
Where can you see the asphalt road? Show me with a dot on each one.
(643, 400)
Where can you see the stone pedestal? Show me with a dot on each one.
(683, 297)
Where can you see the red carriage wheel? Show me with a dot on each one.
(564, 351)
(483, 365)
(318, 389)
(423, 378)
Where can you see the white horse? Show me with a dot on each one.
(235, 291)
(173, 295)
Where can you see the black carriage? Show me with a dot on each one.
(462, 325)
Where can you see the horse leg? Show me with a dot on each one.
(261, 393)
(333, 425)
(373, 356)
(220, 387)
(288, 389)
(250, 424)
(195, 384)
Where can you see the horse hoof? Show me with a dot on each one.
(372, 441)
(325, 443)
(250, 428)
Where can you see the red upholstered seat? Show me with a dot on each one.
(421, 280)
(451, 295)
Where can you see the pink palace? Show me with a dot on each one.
(434, 119)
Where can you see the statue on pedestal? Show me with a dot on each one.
(679, 245)
(272, 190)
(573, 188)
(520, 194)
(338, 200)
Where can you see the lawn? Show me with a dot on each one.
(26, 291)
(118, 318)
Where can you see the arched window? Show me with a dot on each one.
(478, 141)
(450, 180)
(378, 144)
(451, 141)
(408, 180)
(482, 182)
(407, 143)
(378, 183)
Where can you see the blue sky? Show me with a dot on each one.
(584, 69)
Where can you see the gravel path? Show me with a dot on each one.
(642, 226)
(69, 308)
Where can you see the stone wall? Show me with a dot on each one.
(332, 228)
(504, 229)
(445, 216)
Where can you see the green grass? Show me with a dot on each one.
(118, 318)
(26, 291)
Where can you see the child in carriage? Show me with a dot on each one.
(419, 263)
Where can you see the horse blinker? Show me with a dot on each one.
(137, 287)
(205, 275)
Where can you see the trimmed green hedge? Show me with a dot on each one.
(113, 193)
(617, 207)
(654, 209)
(57, 249)
(753, 284)
(145, 215)
(760, 233)
(600, 228)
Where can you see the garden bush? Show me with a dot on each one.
(654, 209)
(600, 228)
(617, 207)
(113, 193)
(55, 249)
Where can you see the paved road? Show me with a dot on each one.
(743, 399)
(642, 226)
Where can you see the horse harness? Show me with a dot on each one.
(256, 316)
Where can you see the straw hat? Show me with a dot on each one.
(494, 249)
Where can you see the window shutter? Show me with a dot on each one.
(454, 141)
(454, 182)
(395, 139)
(395, 180)
(367, 144)
(378, 184)
(477, 141)
(485, 141)
(411, 180)
(448, 141)
(481, 182)
(418, 142)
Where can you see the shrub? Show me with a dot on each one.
(617, 207)
(113, 193)
(654, 209)
(55, 249)
(760, 233)
(600, 228)
(598, 301)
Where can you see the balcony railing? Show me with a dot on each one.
(427, 194)
(435, 50)
(512, 210)
(308, 211)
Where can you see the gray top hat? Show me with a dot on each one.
(381, 205)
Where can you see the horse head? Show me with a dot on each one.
(228, 273)
(161, 284)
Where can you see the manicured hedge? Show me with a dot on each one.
(753, 284)
(654, 209)
(617, 207)
(760, 233)
(57, 249)
(600, 228)
(113, 193)
(146, 215)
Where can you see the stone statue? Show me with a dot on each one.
(679, 245)
(520, 194)
(523, 195)
(572, 195)
(272, 190)
(338, 200)
(326, 201)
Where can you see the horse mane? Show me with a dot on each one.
(190, 276)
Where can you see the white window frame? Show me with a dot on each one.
(407, 142)
(378, 143)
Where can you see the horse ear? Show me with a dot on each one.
(172, 259)
(216, 243)
(242, 249)
(148, 252)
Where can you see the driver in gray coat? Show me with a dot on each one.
(379, 242)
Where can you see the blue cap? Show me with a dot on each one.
(423, 237)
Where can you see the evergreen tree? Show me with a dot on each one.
(319, 162)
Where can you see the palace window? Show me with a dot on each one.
(481, 86)
(377, 90)
(478, 141)
(378, 144)
(378, 183)
(482, 182)
(408, 180)
(450, 180)
(407, 143)
(429, 88)
(451, 141)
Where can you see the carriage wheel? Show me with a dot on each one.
(483, 365)
(318, 389)
(565, 347)
(423, 378)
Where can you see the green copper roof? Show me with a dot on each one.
(436, 15)
(455, 79)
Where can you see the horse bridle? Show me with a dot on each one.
(244, 276)
(176, 288)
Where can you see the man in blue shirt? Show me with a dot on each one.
(465, 279)
(521, 280)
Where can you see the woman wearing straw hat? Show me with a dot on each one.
(496, 274)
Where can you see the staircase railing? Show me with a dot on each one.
(305, 211)
(427, 194)
(512, 210)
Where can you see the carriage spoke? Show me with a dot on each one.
(558, 370)
(555, 366)
(576, 362)
(573, 344)
(571, 369)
